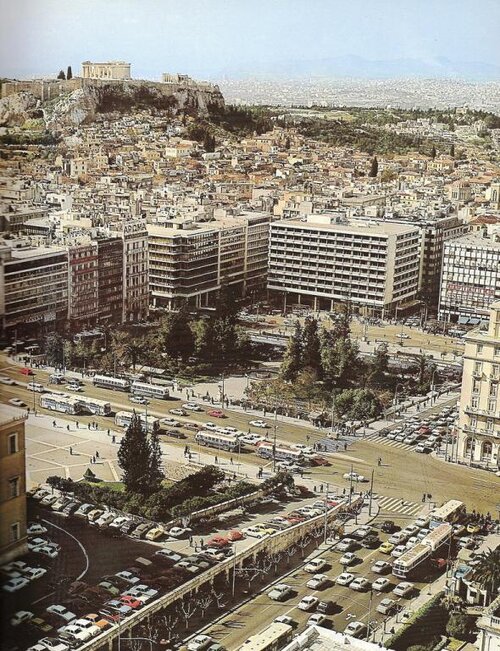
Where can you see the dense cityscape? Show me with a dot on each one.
(249, 363)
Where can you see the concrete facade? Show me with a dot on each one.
(324, 261)
(479, 415)
(12, 485)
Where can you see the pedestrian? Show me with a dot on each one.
(88, 425)
(53, 423)
(231, 460)
(202, 544)
(321, 488)
(216, 459)
(234, 475)
(67, 427)
(190, 541)
(189, 456)
(108, 432)
(97, 454)
(113, 439)
(71, 451)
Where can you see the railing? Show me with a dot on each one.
(276, 542)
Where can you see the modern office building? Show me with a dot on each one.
(328, 259)
(35, 286)
(189, 261)
(12, 485)
(83, 282)
(110, 280)
(470, 279)
(478, 430)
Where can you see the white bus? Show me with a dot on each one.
(412, 561)
(272, 638)
(218, 440)
(282, 453)
(451, 512)
(149, 390)
(61, 402)
(95, 406)
(109, 382)
(124, 418)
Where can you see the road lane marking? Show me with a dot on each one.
(87, 562)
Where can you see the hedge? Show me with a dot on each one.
(425, 627)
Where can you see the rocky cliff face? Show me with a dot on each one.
(94, 97)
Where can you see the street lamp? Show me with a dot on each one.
(432, 383)
(33, 387)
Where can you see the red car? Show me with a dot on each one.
(216, 413)
(235, 535)
(320, 461)
(130, 601)
(26, 371)
(217, 541)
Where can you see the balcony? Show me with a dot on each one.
(481, 412)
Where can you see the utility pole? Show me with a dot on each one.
(326, 513)
(274, 439)
(350, 486)
(371, 493)
(233, 588)
(33, 387)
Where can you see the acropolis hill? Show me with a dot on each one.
(102, 87)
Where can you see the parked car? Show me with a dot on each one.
(318, 619)
(344, 579)
(216, 413)
(360, 584)
(200, 643)
(33, 573)
(315, 565)
(259, 423)
(404, 589)
(35, 386)
(381, 567)
(16, 402)
(179, 532)
(20, 617)
(386, 606)
(355, 629)
(381, 584)
(308, 603)
(348, 559)
(61, 611)
(318, 582)
(168, 554)
(280, 592)
(15, 584)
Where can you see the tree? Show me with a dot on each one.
(487, 571)
(61, 75)
(69, 73)
(54, 348)
(459, 625)
(357, 404)
(433, 152)
(379, 366)
(175, 336)
(134, 457)
(287, 142)
(292, 360)
(155, 474)
(311, 353)
(452, 151)
(373, 167)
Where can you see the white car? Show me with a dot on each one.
(6, 380)
(355, 629)
(315, 566)
(254, 532)
(169, 554)
(33, 573)
(46, 550)
(61, 611)
(381, 584)
(403, 589)
(53, 644)
(308, 603)
(170, 422)
(318, 582)
(35, 529)
(13, 585)
(84, 510)
(105, 519)
(15, 566)
(20, 617)
(354, 476)
(192, 406)
(386, 606)
(139, 400)
(199, 643)
(119, 522)
(360, 584)
(16, 402)
(285, 619)
(259, 423)
(48, 500)
(344, 579)
(128, 577)
(211, 427)
(280, 592)
(380, 567)
(179, 532)
(348, 559)
(318, 619)
(345, 545)
(34, 386)
(77, 633)
(398, 551)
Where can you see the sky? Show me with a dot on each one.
(217, 38)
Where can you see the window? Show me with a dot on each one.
(492, 404)
(497, 351)
(13, 448)
(493, 389)
(15, 531)
(489, 425)
(476, 386)
(14, 487)
(479, 349)
(473, 421)
(478, 368)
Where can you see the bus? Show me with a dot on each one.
(109, 382)
(124, 418)
(218, 440)
(272, 638)
(452, 511)
(149, 390)
(61, 402)
(95, 406)
(411, 562)
(282, 453)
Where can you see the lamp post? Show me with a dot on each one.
(432, 383)
(274, 438)
(33, 387)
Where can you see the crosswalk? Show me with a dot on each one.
(397, 505)
(385, 441)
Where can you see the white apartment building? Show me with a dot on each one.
(470, 279)
(189, 261)
(478, 428)
(326, 260)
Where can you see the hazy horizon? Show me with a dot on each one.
(233, 38)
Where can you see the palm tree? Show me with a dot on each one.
(125, 347)
(487, 571)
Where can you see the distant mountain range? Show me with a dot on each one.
(356, 66)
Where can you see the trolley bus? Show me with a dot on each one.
(218, 440)
(149, 390)
(95, 406)
(61, 402)
(280, 453)
(272, 638)
(412, 562)
(451, 512)
(124, 418)
(109, 382)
